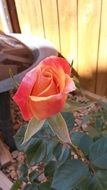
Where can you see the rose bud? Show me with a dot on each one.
(43, 90)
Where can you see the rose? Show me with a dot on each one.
(43, 90)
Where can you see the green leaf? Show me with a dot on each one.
(50, 168)
(57, 151)
(32, 186)
(99, 124)
(93, 132)
(67, 107)
(99, 181)
(19, 137)
(50, 144)
(68, 175)
(16, 185)
(98, 153)
(84, 185)
(14, 81)
(33, 127)
(45, 132)
(104, 105)
(61, 153)
(59, 127)
(82, 140)
(65, 154)
(23, 172)
(69, 118)
(45, 186)
(33, 176)
(36, 152)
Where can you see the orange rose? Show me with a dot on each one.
(43, 91)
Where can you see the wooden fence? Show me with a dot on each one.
(78, 29)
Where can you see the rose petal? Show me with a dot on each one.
(22, 95)
(69, 84)
(44, 85)
(49, 75)
(51, 89)
(55, 61)
(47, 98)
(41, 83)
(44, 107)
(58, 75)
(57, 84)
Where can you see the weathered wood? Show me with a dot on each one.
(101, 87)
(1, 23)
(13, 16)
(5, 119)
(5, 183)
(67, 11)
(88, 38)
(50, 18)
(75, 26)
(93, 96)
(30, 17)
(5, 156)
(5, 23)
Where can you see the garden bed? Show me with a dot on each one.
(86, 117)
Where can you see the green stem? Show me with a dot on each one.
(82, 157)
(15, 83)
(78, 152)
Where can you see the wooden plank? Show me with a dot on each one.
(68, 29)
(50, 17)
(30, 16)
(13, 16)
(1, 23)
(93, 97)
(88, 37)
(5, 23)
(5, 156)
(101, 87)
(5, 183)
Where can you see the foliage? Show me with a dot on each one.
(81, 165)
(97, 121)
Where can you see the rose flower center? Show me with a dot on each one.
(46, 83)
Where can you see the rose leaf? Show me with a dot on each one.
(59, 127)
(33, 127)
